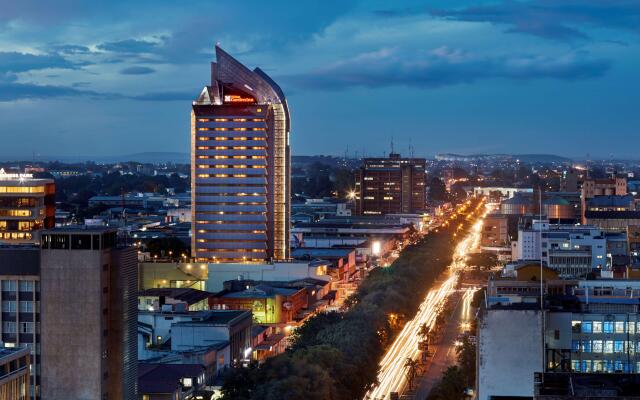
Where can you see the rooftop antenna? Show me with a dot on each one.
(392, 145)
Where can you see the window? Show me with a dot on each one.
(9, 286)
(26, 327)
(575, 365)
(596, 346)
(586, 346)
(8, 306)
(597, 327)
(26, 306)
(575, 346)
(9, 327)
(598, 366)
(608, 346)
(607, 327)
(586, 327)
(618, 346)
(81, 242)
(631, 327)
(25, 286)
(619, 325)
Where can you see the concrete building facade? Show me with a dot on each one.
(88, 313)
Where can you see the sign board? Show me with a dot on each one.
(6, 176)
(236, 98)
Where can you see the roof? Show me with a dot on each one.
(10, 353)
(612, 214)
(187, 295)
(81, 229)
(260, 291)
(218, 317)
(164, 378)
(518, 198)
(611, 201)
(556, 201)
(321, 252)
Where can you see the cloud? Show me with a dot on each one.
(164, 96)
(70, 49)
(14, 62)
(444, 66)
(12, 91)
(137, 70)
(129, 46)
(552, 19)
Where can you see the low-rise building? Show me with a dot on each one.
(15, 366)
(171, 381)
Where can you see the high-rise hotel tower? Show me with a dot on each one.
(240, 167)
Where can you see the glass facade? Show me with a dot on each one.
(605, 343)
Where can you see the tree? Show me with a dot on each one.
(467, 361)
(451, 387)
(438, 190)
(411, 370)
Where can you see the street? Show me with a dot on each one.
(444, 353)
(392, 375)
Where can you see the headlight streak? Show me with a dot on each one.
(392, 374)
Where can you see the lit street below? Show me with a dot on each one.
(392, 373)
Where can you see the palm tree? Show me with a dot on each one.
(411, 366)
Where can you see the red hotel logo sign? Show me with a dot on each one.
(234, 98)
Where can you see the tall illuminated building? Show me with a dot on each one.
(27, 206)
(240, 166)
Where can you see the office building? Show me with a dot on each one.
(88, 309)
(601, 187)
(240, 166)
(571, 250)
(495, 231)
(20, 285)
(590, 326)
(27, 206)
(392, 185)
(14, 373)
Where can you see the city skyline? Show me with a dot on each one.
(521, 86)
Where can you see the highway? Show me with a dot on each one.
(392, 374)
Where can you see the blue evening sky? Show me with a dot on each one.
(117, 77)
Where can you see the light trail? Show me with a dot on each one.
(392, 374)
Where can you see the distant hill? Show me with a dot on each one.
(541, 158)
(528, 158)
(146, 157)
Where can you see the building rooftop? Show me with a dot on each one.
(612, 214)
(611, 201)
(187, 295)
(80, 229)
(259, 291)
(164, 378)
(9, 353)
(218, 317)
(306, 252)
